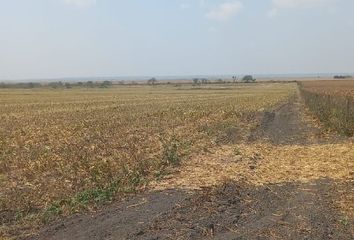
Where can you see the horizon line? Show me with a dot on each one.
(174, 77)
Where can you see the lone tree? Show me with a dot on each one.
(152, 81)
(248, 78)
(196, 81)
(234, 78)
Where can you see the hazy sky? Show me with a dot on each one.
(80, 38)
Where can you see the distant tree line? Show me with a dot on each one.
(59, 84)
(106, 84)
(89, 84)
(20, 85)
(201, 81)
(342, 76)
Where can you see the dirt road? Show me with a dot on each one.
(287, 182)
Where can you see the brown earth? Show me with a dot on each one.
(288, 181)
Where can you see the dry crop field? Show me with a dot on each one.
(332, 102)
(338, 87)
(65, 151)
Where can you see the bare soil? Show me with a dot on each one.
(232, 210)
(286, 126)
(238, 211)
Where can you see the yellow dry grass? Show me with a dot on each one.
(273, 165)
(263, 163)
(332, 87)
(60, 150)
(58, 143)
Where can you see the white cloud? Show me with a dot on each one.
(300, 3)
(225, 11)
(273, 12)
(202, 3)
(212, 29)
(290, 4)
(184, 6)
(81, 3)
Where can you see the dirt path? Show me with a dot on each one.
(288, 182)
(287, 125)
(233, 211)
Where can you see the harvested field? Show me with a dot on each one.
(66, 151)
(294, 187)
(334, 87)
(176, 120)
(263, 170)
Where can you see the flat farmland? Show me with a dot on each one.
(64, 151)
(334, 87)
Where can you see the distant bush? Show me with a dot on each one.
(196, 81)
(200, 81)
(105, 84)
(67, 85)
(220, 80)
(342, 76)
(152, 81)
(248, 78)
